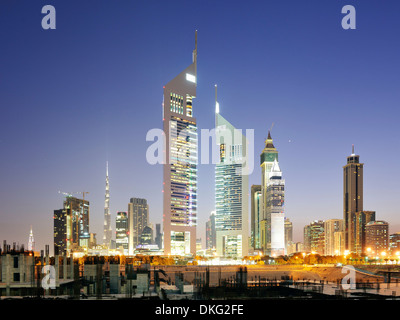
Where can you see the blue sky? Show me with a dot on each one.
(88, 92)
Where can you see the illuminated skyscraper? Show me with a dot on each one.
(269, 159)
(138, 219)
(361, 219)
(288, 234)
(352, 198)
(180, 169)
(314, 237)
(377, 237)
(121, 231)
(31, 241)
(231, 190)
(71, 225)
(256, 215)
(107, 233)
(331, 227)
(274, 210)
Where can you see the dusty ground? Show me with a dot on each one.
(296, 272)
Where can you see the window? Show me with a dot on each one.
(15, 262)
(16, 277)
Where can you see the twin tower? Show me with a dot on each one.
(231, 185)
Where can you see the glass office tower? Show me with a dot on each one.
(180, 169)
(231, 190)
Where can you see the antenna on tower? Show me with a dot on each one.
(216, 101)
(352, 149)
(195, 55)
(272, 125)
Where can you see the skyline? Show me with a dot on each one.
(107, 90)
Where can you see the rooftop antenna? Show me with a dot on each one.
(272, 125)
(352, 149)
(195, 55)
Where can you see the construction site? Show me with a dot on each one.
(24, 276)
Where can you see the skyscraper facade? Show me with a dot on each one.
(231, 190)
(122, 231)
(361, 219)
(211, 235)
(138, 219)
(274, 210)
(394, 243)
(288, 234)
(352, 198)
(332, 226)
(272, 193)
(377, 237)
(107, 231)
(256, 215)
(314, 237)
(180, 168)
(71, 225)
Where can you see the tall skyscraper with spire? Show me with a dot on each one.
(31, 241)
(272, 227)
(352, 198)
(107, 232)
(231, 189)
(180, 168)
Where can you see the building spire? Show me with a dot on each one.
(352, 149)
(31, 241)
(195, 55)
(269, 142)
(216, 101)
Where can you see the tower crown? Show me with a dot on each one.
(269, 142)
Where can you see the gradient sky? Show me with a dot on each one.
(88, 92)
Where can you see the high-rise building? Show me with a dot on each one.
(394, 243)
(146, 237)
(62, 231)
(138, 219)
(377, 237)
(231, 189)
(314, 237)
(180, 168)
(352, 197)
(107, 233)
(332, 226)
(338, 243)
(211, 235)
(92, 240)
(272, 228)
(288, 234)
(361, 218)
(31, 241)
(71, 225)
(158, 238)
(122, 231)
(274, 210)
(256, 215)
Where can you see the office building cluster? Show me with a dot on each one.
(358, 232)
(133, 230)
(231, 232)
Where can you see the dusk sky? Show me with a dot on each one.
(88, 92)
